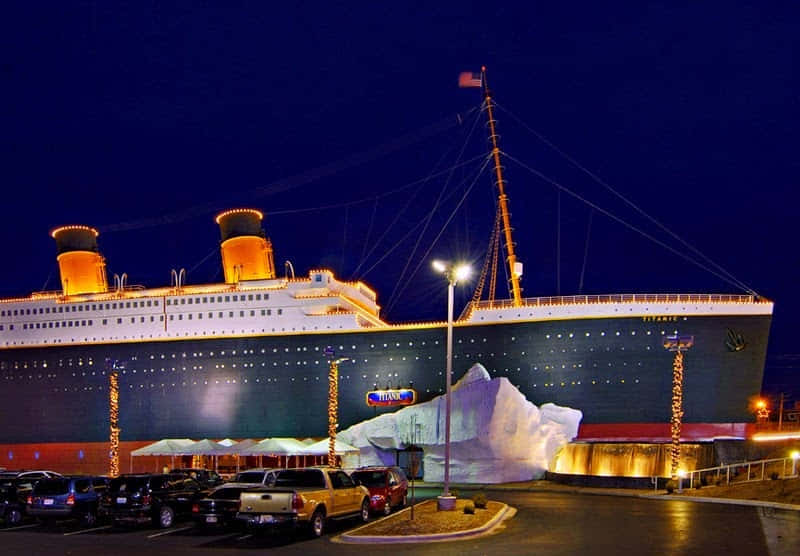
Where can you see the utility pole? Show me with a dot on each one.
(780, 413)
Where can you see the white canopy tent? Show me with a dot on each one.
(281, 447)
(237, 449)
(165, 447)
(207, 447)
(320, 448)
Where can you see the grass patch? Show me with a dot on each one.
(786, 491)
(428, 520)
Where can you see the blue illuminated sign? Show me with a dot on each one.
(391, 397)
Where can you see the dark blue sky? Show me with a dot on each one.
(147, 118)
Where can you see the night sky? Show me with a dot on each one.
(344, 124)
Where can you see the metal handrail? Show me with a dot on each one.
(793, 464)
(621, 298)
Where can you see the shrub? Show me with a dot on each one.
(698, 485)
(469, 508)
(480, 500)
(774, 475)
(671, 486)
(454, 492)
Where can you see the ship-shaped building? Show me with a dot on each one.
(247, 357)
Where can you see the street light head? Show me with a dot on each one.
(463, 272)
(761, 404)
(681, 473)
(795, 455)
(439, 266)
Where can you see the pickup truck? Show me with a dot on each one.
(305, 497)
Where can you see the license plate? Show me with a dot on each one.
(48, 501)
(265, 519)
(211, 519)
(122, 500)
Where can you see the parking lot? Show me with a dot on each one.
(545, 523)
(70, 537)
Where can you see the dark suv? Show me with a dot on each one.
(388, 487)
(206, 477)
(158, 498)
(67, 497)
(13, 495)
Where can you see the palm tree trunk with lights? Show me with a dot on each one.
(113, 413)
(678, 344)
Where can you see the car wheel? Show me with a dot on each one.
(387, 506)
(364, 515)
(14, 517)
(166, 517)
(317, 523)
(89, 518)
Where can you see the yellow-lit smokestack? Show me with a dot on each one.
(83, 269)
(246, 251)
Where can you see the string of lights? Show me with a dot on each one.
(333, 409)
(677, 411)
(113, 414)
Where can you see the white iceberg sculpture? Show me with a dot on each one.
(496, 434)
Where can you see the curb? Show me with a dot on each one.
(399, 539)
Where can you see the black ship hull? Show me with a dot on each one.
(615, 370)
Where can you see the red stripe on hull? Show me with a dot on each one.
(660, 432)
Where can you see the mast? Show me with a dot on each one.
(502, 197)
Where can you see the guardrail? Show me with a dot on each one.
(759, 470)
(621, 298)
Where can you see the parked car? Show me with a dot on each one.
(257, 476)
(207, 477)
(220, 506)
(388, 487)
(30, 474)
(13, 496)
(160, 498)
(75, 497)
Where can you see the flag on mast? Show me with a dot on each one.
(469, 79)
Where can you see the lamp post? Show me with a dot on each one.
(453, 273)
(795, 456)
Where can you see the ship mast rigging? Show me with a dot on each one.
(513, 266)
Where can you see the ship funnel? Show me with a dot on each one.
(82, 267)
(246, 251)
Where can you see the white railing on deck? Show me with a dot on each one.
(621, 298)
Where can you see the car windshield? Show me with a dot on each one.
(371, 478)
(255, 477)
(128, 484)
(51, 486)
(226, 494)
